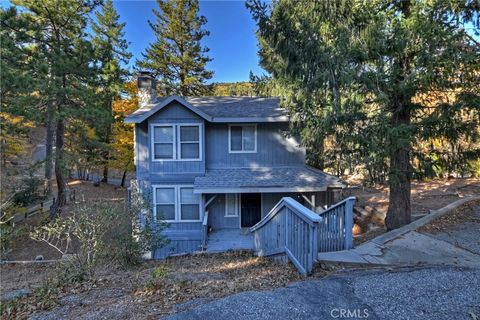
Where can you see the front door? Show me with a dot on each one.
(251, 209)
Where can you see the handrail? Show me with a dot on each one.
(335, 232)
(306, 214)
(292, 229)
(338, 204)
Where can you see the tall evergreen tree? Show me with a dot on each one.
(23, 73)
(365, 71)
(68, 67)
(177, 56)
(112, 55)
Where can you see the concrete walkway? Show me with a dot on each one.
(406, 246)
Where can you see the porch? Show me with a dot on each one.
(229, 239)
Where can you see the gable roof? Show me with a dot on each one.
(145, 112)
(220, 109)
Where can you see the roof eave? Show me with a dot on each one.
(159, 106)
(250, 119)
(197, 190)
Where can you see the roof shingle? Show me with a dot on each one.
(289, 179)
(220, 109)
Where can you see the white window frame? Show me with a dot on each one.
(176, 141)
(155, 200)
(230, 137)
(179, 142)
(236, 205)
(178, 205)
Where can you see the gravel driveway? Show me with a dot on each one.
(407, 293)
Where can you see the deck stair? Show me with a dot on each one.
(294, 231)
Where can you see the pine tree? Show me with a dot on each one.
(23, 68)
(112, 54)
(177, 57)
(59, 33)
(360, 75)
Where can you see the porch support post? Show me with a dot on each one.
(202, 205)
(311, 201)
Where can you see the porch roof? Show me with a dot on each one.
(252, 180)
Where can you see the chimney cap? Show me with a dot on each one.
(145, 73)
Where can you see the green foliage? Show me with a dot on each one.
(146, 230)
(158, 275)
(177, 56)
(111, 52)
(367, 81)
(30, 191)
(60, 59)
(105, 233)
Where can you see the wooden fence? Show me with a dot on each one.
(299, 233)
(43, 206)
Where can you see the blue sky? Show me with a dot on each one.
(232, 41)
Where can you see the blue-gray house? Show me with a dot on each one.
(219, 163)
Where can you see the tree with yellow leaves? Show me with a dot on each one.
(122, 140)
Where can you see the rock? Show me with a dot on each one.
(14, 294)
(39, 258)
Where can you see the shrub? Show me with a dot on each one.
(158, 274)
(29, 191)
(106, 233)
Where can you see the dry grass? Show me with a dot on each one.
(464, 213)
(25, 248)
(199, 277)
(215, 276)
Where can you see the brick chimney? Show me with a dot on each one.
(147, 88)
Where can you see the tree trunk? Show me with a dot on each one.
(107, 141)
(399, 209)
(106, 157)
(124, 177)
(60, 165)
(105, 172)
(49, 149)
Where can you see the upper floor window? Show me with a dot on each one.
(242, 138)
(176, 142)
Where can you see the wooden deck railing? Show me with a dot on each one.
(205, 230)
(335, 228)
(292, 229)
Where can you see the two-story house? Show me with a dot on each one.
(232, 157)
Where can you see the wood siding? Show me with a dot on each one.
(177, 247)
(216, 217)
(273, 148)
(167, 170)
(185, 237)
